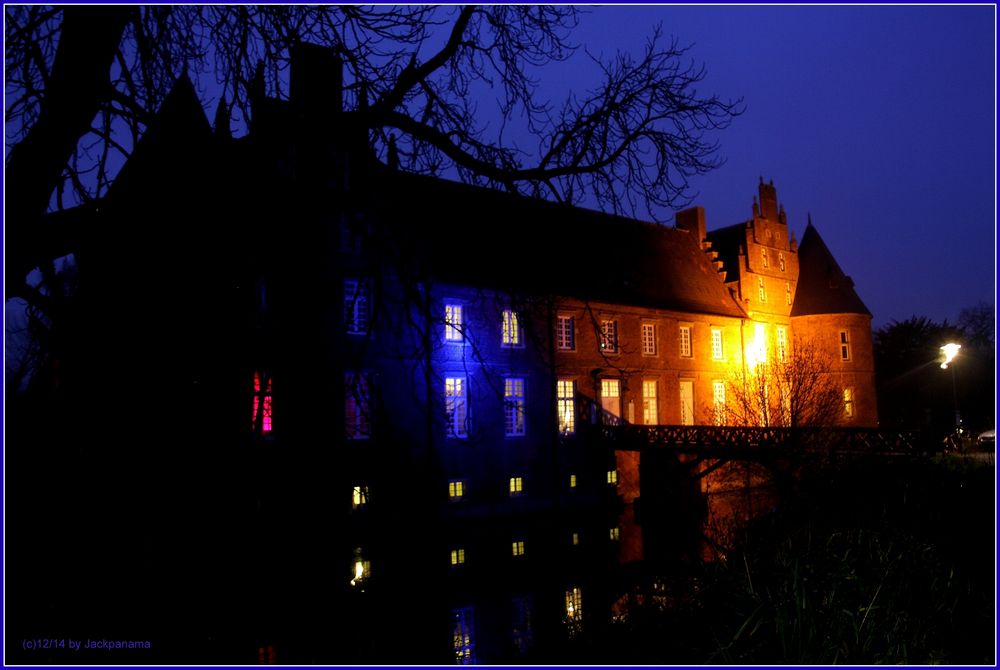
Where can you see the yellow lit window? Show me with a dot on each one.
(458, 556)
(613, 477)
(848, 402)
(456, 489)
(572, 481)
(576, 539)
(516, 486)
(360, 498)
(517, 547)
(566, 405)
(717, 351)
(719, 402)
(649, 402)
(574, 604)
(614, 533)
(511, 334)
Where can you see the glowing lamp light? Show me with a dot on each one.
(949, 351)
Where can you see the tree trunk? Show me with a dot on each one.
(79, 82)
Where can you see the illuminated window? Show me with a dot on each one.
(565, 335)
(685, 340)
(613, 534)
(453, 323)
(574, 604)
(457, 557)
(845, 346)
(517, 547)
(782, 344)
(649, 402)
(355, 307)
(511, 332)
(788, 293)
(516, 486)
(717, 351)
(760, 289)
(456, 489)
(456, 406)
(781, 262)
(848, 402)
(613, 477)
(611, 400)
(566, 405)
(763, 258)
(357, 422)
(572, 481)
(649, 339)
(758, 352)
(609, 336)
(361, 570)
(576, 539)
(360, 498)
(463, 636)
(719, 403)
(513, 406)
(261, 417)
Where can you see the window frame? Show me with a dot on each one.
(511, 331)
(566, 406)
(608, 340)
(685, 340)
(845, 345)
(718, 402)
(718, 344)
(454, 328)
(358, 302)
(650, 404)
(452, 403)
(515, 406)
(565, 336)
(648, 327)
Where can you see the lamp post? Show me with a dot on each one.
(949, 351)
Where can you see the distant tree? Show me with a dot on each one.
(914, 392)
(83, 82)
(794, 390)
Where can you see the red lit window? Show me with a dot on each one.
(261, 403)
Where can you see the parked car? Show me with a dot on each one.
(987, 438)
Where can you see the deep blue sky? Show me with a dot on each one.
(880, 121)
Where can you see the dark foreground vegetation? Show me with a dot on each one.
(873, 562)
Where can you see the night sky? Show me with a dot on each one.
(879, 121)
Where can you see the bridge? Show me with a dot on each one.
(759, 443)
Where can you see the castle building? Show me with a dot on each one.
(383, 386)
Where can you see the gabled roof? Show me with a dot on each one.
(728, 242)
(489, 238)
(823, 288)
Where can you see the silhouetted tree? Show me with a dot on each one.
(82, 82)
(794, 389)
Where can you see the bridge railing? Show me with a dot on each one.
(627, 436)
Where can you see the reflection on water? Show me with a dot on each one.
(572, 568)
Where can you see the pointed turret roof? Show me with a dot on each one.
(823, 288)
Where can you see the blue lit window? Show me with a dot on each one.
(456, 406)
(514, 406)
(357, 416)
(453, 327)
(355, 307)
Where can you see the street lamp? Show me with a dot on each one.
(949, 351)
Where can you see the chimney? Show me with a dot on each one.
(317, 81)
(693, 221)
